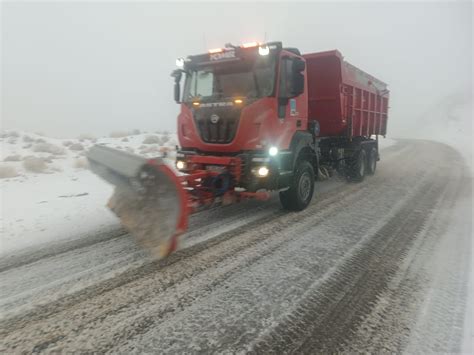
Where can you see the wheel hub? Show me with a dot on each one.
(305, 186)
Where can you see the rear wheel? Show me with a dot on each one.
(358, 166)
(372, 161)
(301, 190)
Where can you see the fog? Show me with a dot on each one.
(93, 67)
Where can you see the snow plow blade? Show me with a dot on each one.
(149, 198)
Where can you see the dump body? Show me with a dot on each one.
(345, 100)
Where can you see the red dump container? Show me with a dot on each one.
(345, 100)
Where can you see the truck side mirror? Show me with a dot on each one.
(177, 92)
(177, 74)
(298, 65)
(298, 77)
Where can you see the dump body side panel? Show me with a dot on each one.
(345, 100)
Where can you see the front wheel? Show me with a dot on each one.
(301, 190)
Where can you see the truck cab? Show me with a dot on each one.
(248, 102)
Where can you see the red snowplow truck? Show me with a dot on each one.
(254, 118)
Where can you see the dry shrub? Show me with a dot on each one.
(76, 146)
(48, 148)
(35, 164)
(136, 131)
(67, 143)
(125, 139)
(13, 158)
(152, 140)
(81, 163)
(7, 172)
(119, 134)
(87, 136)
(28, 139)
(11, 140)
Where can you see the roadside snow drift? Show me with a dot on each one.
(47, 192)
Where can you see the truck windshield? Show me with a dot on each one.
(253, 79)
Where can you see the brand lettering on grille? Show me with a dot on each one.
(217, 104)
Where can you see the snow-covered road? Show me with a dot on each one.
(376, 266)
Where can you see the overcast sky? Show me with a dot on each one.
(94, 67)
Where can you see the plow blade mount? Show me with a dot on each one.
(149, 198)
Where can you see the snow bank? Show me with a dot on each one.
(63, 200)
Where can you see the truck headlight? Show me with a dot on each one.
(180, 62)
(273, 151)
(180, 164)
(262, 171)
(263, 50)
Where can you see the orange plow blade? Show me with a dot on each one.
(149, 198)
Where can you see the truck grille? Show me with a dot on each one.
(217, 124)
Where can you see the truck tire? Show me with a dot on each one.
(372, 161)
(301, 190)
(358, 166)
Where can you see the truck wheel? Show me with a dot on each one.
(301, 190)
(358, 167)
(372, 161)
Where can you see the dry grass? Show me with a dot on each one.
(7, 172)
(87, 137)
(81, 163)
(119, 134)
(35, 164)
(45, 147)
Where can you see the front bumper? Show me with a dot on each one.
(246, 175)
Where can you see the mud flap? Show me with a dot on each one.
(149, 198)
